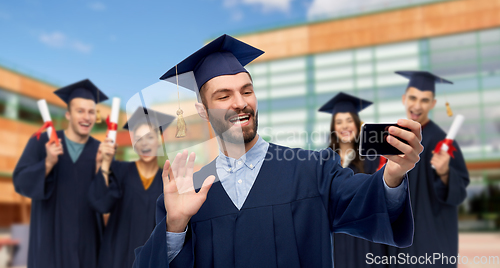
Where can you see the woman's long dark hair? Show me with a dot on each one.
(334, 141)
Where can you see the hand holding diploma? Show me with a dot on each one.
(447, 144)
(444, 150)
(104, 157)
(53, 150)
(51, 132)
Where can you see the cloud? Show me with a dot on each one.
(81, 47)
(265, 5)
(61, 41)
(55, 39)
(328, 8)
(270, 5)
(97, 6)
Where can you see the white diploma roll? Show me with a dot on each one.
(452, 133)
(44, 111)
(115, 112)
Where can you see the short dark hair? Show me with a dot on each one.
(202, 96)
(202, 88)
(433, 93)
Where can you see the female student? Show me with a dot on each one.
(350, 251)
(128, 190)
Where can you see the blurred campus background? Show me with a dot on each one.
(356, 50)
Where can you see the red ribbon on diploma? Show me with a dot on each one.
(53, 134)
(111, 125)
(449, 143)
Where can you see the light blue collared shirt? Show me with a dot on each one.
(238, 175)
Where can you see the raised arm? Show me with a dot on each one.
(34, 175)
(106, 188)
(365, 205)
(181, 199)
(450, 177)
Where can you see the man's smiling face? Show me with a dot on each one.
(418, 104)
(232, 107)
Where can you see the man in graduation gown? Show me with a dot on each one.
(267, 205)
(441, 183)
(64, 230)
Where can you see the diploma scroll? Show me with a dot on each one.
(48, 125)
(113, 119)
(447, 144)
(44, 111)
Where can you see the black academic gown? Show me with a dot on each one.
(64, 229)
(435, 205)
(299, 197)
(351, 251)
(132, 209)
(370, 166)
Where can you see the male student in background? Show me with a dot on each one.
(438, 181)
(64, 230)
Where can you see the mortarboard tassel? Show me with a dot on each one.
(448, 110)
(181, 124)
(98, 118)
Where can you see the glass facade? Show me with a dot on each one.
(291, 90)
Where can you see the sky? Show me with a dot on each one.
(124, 46)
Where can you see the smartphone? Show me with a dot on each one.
(373, 139)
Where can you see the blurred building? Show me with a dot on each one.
(305, 65)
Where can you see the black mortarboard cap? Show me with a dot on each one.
(422, 80)
(83, 89)
(149, 116)
(343, 103)
(223, 56)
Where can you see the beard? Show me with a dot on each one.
(231, 133)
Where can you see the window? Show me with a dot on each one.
(28, 110)
(287, 103)
(284, 66)
(333, 59)
(490, 36)
(288, 116)
(453, 41)
(396, 50)
(334, 86)
(288, 91)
